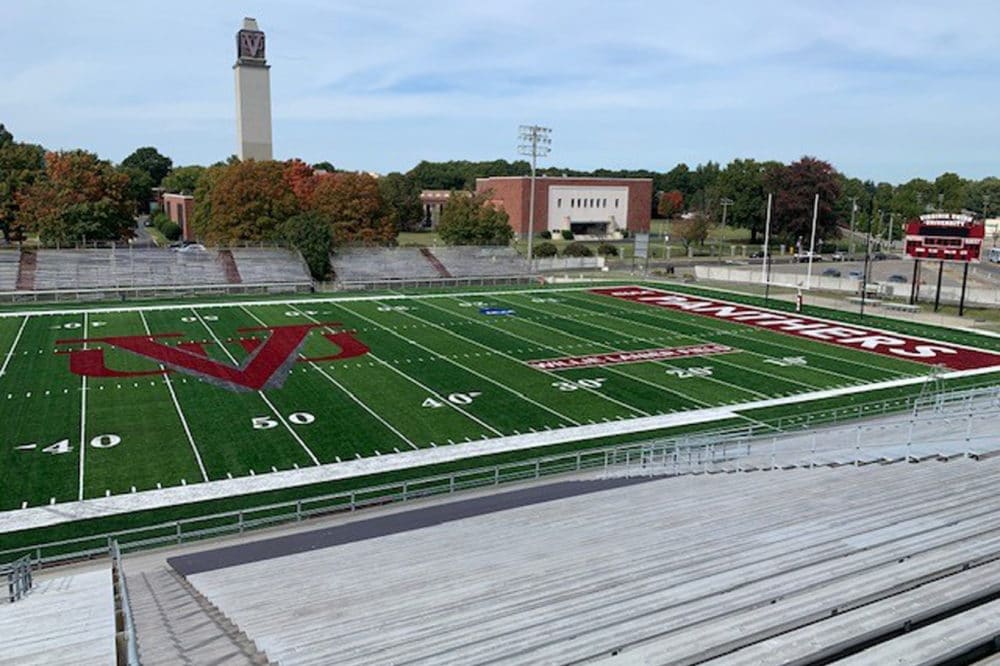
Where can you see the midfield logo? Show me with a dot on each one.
(267, 364)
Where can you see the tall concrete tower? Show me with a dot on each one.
(253, 94)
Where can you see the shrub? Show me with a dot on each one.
(567, 234)
(160, 219)
(607, 250)
(624, 233)
(546, 234)
(577, 249)
(545, 249)
(171, 230)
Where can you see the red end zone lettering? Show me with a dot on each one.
(843, 335)
(635, 356)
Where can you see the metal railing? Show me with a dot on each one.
(425, 283)
(19, 578)
(697, 452)
(151, 292)
(125, 643)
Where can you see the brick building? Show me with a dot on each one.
(598, 207)
(180, 209)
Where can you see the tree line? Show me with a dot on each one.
(68, 196)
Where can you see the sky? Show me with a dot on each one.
(883, 89)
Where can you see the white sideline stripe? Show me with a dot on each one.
(180, 412)
(455, 363)
(615, 284)
(83, 413)
(551, 373)
(338, 384)
(43, 516)
(274, 410)
(17, 338)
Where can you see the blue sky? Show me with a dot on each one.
(887, 90)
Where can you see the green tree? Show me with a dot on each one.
(244, 201)
(21, 164)
(139, 188)
(401, 198)
(312, 236)
(577, 249)
(692, 230)
(545, 249)
(983, 196)
(471, 219)
(324, 166)
(150, 160)
(950, 191)
(742, 181)
(183, 180)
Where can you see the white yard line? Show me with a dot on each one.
(43, 516)
(604, 368)
(333, 381)
(177, 406)
(263, 397)
(715, 358)
(17, 338)
(83, 413)
(664, 315)
(501, 385)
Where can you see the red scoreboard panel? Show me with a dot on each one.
(945, 236)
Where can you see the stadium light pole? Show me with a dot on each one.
(812, 242)
(765, 273)
(535, 143)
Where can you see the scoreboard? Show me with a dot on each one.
(945, 237)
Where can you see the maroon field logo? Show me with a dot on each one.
(271, 352)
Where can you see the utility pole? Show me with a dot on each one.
(812, 242)
(765, 273)
(535, 143)
(725, 203)
(854, 212)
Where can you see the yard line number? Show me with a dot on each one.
(688, 373)
(108, 441)
(567, 385)
(453, 398)
(268, 422)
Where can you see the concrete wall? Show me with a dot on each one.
(253, 111)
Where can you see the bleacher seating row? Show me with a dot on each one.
(81, 269)
(408, 263)
(767, 567)
(9, 261)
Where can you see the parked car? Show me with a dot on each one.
(759, 254)
(854, 275)
(193, 247)
(896, 277)
(831, 272)
(803, 257)
(880, 256)
(838, 256)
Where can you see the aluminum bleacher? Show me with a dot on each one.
(65, 619)
(364, 264)
(8, 269)
(91, 269)
(268, 266)
(808, 564)
(471, 261)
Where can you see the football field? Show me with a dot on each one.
(115, 400)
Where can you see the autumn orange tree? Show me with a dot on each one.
(79, 197)
(351, 204)
(244, 201)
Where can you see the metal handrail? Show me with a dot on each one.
(127, 648)
(19, 578)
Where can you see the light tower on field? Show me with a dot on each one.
(535, 143)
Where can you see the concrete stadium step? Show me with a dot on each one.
(435, 262)
(67, 619)
(229, 267)
(175, 624)
(26, 269)
(701, 548)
